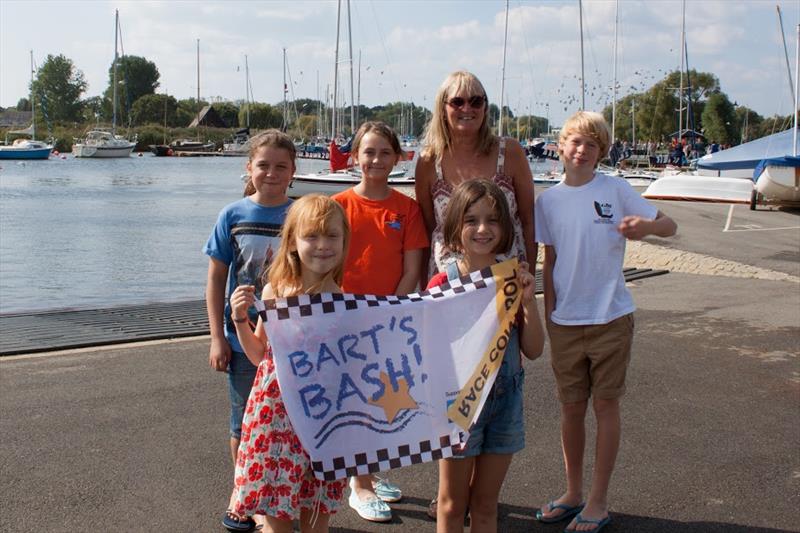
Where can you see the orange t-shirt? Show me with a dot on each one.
(381, 232)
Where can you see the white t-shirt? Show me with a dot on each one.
(581, 224)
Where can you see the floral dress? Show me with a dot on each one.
(273, 471)
(442, 190)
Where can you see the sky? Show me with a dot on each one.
(408, 47)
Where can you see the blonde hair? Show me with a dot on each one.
(273, 138)
(310, 213)
(587, 123)
(437, 137)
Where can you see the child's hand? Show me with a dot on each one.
(528, 282)
(634, 228)
(241, 300)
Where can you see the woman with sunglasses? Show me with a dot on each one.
(460, 147)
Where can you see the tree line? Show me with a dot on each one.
(652, 115)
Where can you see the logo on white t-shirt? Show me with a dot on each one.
(603, 212)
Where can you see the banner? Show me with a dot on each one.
(372, 383)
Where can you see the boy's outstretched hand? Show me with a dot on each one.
(635, 228)
(527, 280)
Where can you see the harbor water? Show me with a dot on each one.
(92, 233)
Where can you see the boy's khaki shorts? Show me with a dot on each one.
(591, 360)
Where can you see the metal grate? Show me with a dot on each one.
(23, 333)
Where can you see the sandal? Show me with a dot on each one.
(234, 522)
(432, 508)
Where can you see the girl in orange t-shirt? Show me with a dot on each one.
(386, 247)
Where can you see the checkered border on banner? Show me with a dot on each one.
(318, 304)
(384, 459)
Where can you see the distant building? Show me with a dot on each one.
(208, 117)
(11, 118)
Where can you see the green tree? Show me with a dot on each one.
(530, 126)
(59, 85)
(187, 111)
(152, 108)
(656, 111)
(774, 124)
(92, 108)
(306, 127)
(719, 120)
(264, 116)
(748, 123)
(136, 77)
(229, 113)
(23, 104)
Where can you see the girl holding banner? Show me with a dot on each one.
(273, 472)
(478, 226)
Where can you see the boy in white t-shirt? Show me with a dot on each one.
(583, 223)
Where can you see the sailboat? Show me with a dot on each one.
(238, 144)
(758, 172)
(341, 177)
(102, 143)
(777, 180)
(27, 148)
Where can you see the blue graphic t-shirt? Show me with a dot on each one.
(245, 237)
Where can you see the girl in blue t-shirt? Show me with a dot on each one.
(240, 248)
(478, 226)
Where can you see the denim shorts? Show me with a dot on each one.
(241, 374)
(500, 428)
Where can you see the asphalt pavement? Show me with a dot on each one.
(134, 438)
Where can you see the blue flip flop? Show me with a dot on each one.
(598, 524)
(569, 512)
(233, 522)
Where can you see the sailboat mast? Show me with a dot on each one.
(583, 81)
(114, 90)
(336, 71)
(682, 49)
(285, 109)
(164, 137)
(796, 77)
(247, 89)
(358, 92)
(614, 101)
(785, 52)
(198, 89)
(503, 77)
(352, 97)
(33, 106)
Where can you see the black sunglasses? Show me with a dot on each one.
(475, 102)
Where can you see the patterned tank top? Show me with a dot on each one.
(442, 190)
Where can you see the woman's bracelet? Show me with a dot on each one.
(238, 320)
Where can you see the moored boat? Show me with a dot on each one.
(777, 181)
(103, 144)
(691, 187)
(187, 145)
(334, 182)
(26, 149)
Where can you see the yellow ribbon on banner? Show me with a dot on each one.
(507, 299)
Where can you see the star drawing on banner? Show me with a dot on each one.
(394, 401)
